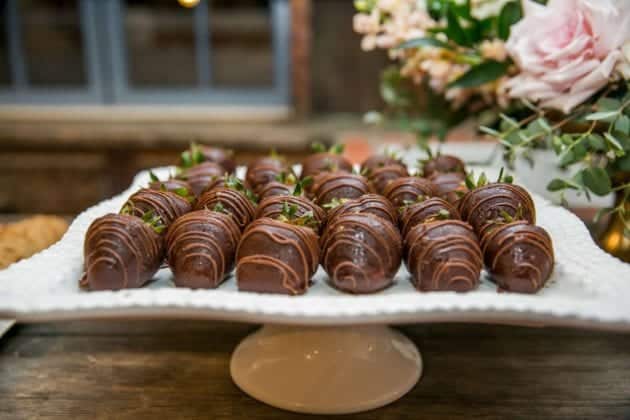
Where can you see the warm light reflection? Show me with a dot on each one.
(188, 3)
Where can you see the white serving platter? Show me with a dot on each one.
(588, 289)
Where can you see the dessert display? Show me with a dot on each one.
(444, 224)
(406, 190)
(200, 248)
(443, 255)
(369, 203)
(450, 186)
(381, 160)
(277, 255)
(264, 170)
(490, 202)
(285, 184)
(167, 205)
(122, 251)
(175, 185)
(200, 175)
(338, 185)
(381, 176)
(273, 208)
(518, 255)
(201, 153)
(325, 160)
(229, 200)
(442, 164)
(361, 252)
(431, 209)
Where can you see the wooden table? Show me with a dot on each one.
(179, 369)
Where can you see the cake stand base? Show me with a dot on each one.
(326, 370)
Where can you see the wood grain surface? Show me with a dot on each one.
(179, 369)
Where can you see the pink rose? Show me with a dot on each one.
(567, 51)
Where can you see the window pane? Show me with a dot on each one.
(52, 42)
(241, 43)
(5, 76)
(160, 43)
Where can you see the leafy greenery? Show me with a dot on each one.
(290, 214)
(191, 157)
(594, 138)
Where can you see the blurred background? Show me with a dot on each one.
(91, 91)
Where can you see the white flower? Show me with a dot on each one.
(623, 66)
(482, 9)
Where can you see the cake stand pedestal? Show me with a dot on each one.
(326, 370)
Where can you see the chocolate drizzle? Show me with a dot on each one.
(200, 248)
(324, 162)
(226, 200)
(338, 185)
(272, 208)
(274, 188)
(264, 170)
(443, 164)
(443, 255)
(518, 255)
(381, 177)
(276, 257)
(490, 203)
(223, 157)
(449, 186)
(361, 252)
(120, 251)
(368, 203)
(199, 176)
(170, 184)
(431, 209)
(165, 204)
(407, 190)
(379, 161)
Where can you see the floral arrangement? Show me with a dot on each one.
(536, 74)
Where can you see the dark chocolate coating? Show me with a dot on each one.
(324, 162)
(264, 170)
(223, 157)
(379, 161)
(361, 252)
(449, 186)
(272, 207)
(484, 204)
(274, 188)
(368, 203)
(168, 205)
(443, 255)
(425, 211)
(276, 257)
(380, 177)
(200, 248)
(199, 176)
(339, 185)
(120, 252)
(408, 189)
(170, 184)
(519, 256)
(234, 203)
(443, 164)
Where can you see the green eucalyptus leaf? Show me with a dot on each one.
(478, 75)
(622, 124)
(454, 30)
(608, 104)
(424, 42)
(510, 14)
(614, 142)
(597, 180)
(153, 177)
(607, 116)
(596, 142)
(558, 184)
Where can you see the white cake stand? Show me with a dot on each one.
(333, 355)
(326, 370)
